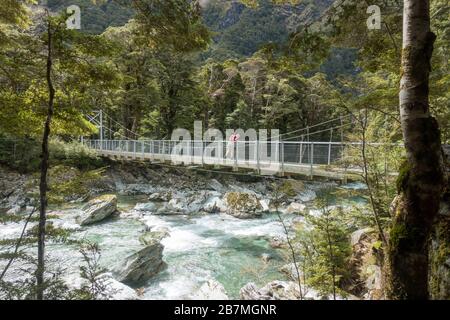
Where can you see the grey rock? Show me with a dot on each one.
(216, 185)
(142, 265)
(243, 205)
(358, 235)
(164, 196)
(275, 290)
(98, 209)
(211, 290)
(145, 206)
(150, 237)
(295, 208)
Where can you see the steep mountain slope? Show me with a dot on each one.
(240, 30)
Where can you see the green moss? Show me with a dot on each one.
(238, 200)
(398, 232)
(403, 176)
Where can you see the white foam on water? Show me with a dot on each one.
(185, 240)
(239, 227)
(13, 229)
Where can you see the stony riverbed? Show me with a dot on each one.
(209, 250)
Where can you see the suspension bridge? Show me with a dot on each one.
(292, 153)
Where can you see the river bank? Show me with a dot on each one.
(222, 237)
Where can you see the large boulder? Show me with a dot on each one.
(142, 265)
(211, 290)
(98, 209)
(242, 205)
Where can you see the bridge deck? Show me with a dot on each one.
(325, 171)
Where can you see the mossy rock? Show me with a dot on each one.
(243, 205)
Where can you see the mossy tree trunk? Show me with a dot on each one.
(422, 177)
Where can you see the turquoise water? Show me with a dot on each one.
(216, 247)
(199, 248)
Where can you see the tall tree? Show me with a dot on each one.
(422, 178)
(44, 164)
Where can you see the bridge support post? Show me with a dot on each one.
(203, 153)
(101, 130)
(258, 158)
(329, 148)
(235, 154)
(311, 161)
(282, 157)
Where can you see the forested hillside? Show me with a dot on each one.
(89, 119)
(96, 18)
(239, 30)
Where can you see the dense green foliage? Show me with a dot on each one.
(155, 65)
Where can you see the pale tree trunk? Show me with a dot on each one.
(422, 177)
(44, 169)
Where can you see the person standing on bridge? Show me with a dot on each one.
(234, 138)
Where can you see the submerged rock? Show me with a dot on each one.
(142, 265)
(98, 209)
(242, 205)
(211, 290)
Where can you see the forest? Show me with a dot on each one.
(332, 72)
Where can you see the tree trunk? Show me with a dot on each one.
(421, 179)
(44, 168)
